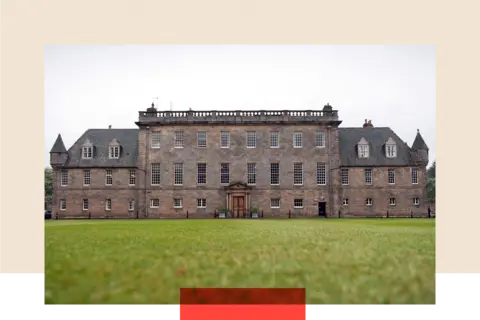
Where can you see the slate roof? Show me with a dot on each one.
(101, 138)
(376, 138)
(58, 146)
(348, 139)
(419, 143)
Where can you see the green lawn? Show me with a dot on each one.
(337, 260)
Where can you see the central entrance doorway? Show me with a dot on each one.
(238, 206)
(322, 209)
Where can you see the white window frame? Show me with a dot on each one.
(298, 139)
(368, 177)
(274, 137)
(108, 177)
(114, 152)
(152, 203)
(155, 174)
(321, 174)
(201, 174)
(131, 205)
(363, 151)
(178, 205)
(273, 174)
(179, 139)
(320, 139)
(87, 177)
(87, 152)
(201, 139)
(132, 178)
(64, 178)
(201, 203)
(345, 201)
(178, 174)
(108, 204)
(275, 203)
(251, 173)
(224, 167)
(224, 139)
(391, 176)
(297, 166)
(155, 140)
(416, 201)
(369, 202)
(392, 201)
(295, 204)
(414, 175)
(85, 202)
(63, 204)
(251, 139)
(391, 150)
(344, 177)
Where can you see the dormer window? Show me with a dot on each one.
(390, 148)
(114, 149)
(87, 150)
(363, 148)
(114, 152)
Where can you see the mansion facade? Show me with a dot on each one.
(277, 162)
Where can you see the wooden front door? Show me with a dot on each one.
(238, 206)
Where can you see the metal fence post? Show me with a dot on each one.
(187, 214)
(289, 214)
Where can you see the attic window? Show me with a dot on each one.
(391, 151)
(87, 152)
(114, 152)
(114, 149)
(363, 148)
(390, 148)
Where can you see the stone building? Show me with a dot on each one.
(280, 162)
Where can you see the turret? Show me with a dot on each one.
(58, 154)
(420, 148)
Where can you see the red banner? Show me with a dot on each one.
(242, 312)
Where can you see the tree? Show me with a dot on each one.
(431, 181)
(48, 181)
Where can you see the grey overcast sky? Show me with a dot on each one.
(93, 86)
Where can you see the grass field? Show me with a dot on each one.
(337, 261)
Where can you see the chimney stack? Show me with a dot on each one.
(368, 123)
(109, 126)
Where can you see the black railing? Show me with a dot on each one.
(239, 214)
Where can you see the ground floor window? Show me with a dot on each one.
(392, 201)
(275, 203)
(108, 204)
(298, 203)
(131, 205)
(85, 204)
(368, 201)
(63, 204)
(177, 203)
(201, 203)
(416, 201)
(345, 202)
(154, 203)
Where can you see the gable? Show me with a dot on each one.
(363, 141)
(390, 142)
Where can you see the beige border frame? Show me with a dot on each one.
(27, 25)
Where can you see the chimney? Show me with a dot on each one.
(109, 126)
(368, 123)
